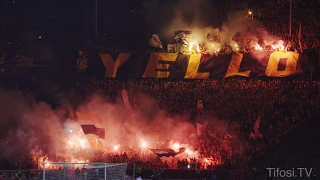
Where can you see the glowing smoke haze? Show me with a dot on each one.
(36, 129)
(201, 17)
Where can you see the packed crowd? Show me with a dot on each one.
(274, 15)
(233, 104)
(280, 104)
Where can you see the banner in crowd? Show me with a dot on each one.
(201, 128)
(256, 127)
(91, 125)
(199, 66)
(200, 105)
(164, 152)
(125, 98)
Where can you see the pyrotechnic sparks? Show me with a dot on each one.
(278, 46)
(234, 46)
(201, 41)
(187, 151)
(258, 47)
(194, 46)
(47, 164)
(214, 47)
(116, 147)
(144, 144)
(176, 147)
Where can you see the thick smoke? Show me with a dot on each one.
(27, 127)
(202, 17)
(30, 128)
(166, 17)
(148, 124)
(35, 129)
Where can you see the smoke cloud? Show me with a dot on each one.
(27, 127)
(30, 128)
(150, 124)
(202, 17)
(166, 17)
(35, 129)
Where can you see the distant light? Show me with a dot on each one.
(9, 42)
(250, 12)
(175, 146)
(187, 151)
(116, 147)
(70, 130)
(40, 37)
(13, 2)
(143, 144)
(132, 10)
(105, 34)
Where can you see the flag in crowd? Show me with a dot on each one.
(92, 127)
(125, 98)
(164, 152)
(256, 127)
(155, 41)
(300, 36)
(200, 105)
(201, 128)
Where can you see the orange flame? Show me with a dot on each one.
(195, 46)
(258, 47)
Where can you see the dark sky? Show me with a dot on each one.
(66, 19)
(67, 24)
(60, 19)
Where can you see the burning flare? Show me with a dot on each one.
(194, 46)
(258, 47)
(278, 46)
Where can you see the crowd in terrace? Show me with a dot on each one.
(274, 16)
(235, 102)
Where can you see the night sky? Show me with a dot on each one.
(66, 25)
(60, 20)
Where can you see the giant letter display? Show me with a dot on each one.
(111, 65)
(193, 65)
(158, 65)
(234, 66)
(290, 64)
(197, 66)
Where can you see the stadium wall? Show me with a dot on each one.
(199, 66)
